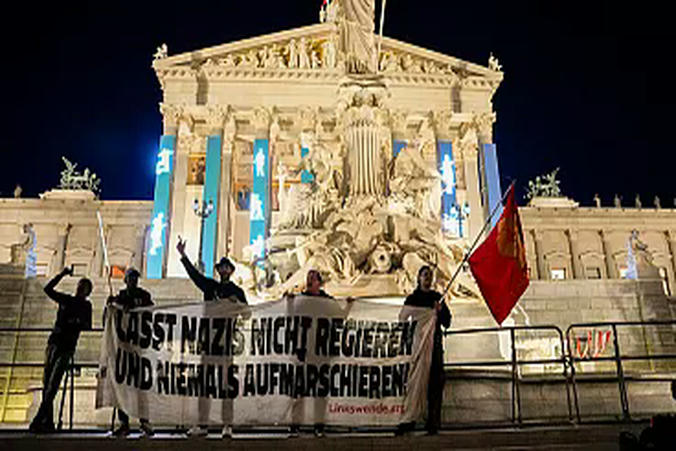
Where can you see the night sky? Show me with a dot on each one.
(588, 84)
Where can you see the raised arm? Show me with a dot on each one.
(54, 295)
(198, 279)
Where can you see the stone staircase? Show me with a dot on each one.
(23, 304)
(473, 393)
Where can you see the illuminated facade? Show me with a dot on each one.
(264, 104)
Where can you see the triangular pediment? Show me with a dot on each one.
(314, 48)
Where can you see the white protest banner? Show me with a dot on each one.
(305, 360)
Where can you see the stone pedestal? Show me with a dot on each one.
(553, 202)
(68, 194)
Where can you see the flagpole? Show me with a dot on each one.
(105, 250)
(476, 240)
(380, 41)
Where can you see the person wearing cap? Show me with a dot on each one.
(213, 291)
(225, 289)
(129, 298)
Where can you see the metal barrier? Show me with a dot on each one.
(70, 375)
(515, 363)
(617, 357)
(566, 358)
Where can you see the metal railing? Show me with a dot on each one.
(515, 363)
(566, 358)
(73, 368)
(618, 357)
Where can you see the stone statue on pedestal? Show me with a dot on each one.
(25, 253)
(637, 202)
(357, 35)
(639, 260)
(617, 201)
(657, 202)
(597, 200)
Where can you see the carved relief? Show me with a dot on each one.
(191, 144)
(171, 114)
(304, 53)
(215, 116)
(442, 123)
(398, 120)
(468, 142)
(392, 61)
(484, 124)
(261, 118)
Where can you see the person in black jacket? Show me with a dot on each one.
(424, 296)
(74, 315)
(129, 298)
(225, 289)
(213, 291)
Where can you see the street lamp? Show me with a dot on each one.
(203, 211)
(463, 214)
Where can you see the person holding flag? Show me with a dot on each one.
(129, 298)
(424, 296)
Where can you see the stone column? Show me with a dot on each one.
(307, 118)
(225, 202)
(259, 214)
(576, 264)
(61, 245)
(492, 189)
(187, 141)
(470, 153)
(162, 216)
(611, 271)
(212, 185)
(542, 269)
(445, 133)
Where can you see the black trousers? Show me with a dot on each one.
(435, 389)
(124, 418)
(57, 361)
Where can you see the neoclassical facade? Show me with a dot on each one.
(241, 118)
(567, 242)
(256, 130)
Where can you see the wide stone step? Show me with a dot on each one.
(596, 437)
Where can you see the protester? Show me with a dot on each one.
(424, 296)
(213, 291)
(74, 315)
(129, 298)
(225, 289)
(313, 285)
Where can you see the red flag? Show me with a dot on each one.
(499, 264)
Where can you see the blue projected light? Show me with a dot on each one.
(305, 176)
(449, 211)
(212, 183)
(492, 182)
(397, 146)
(160, 218)
(258, 206)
